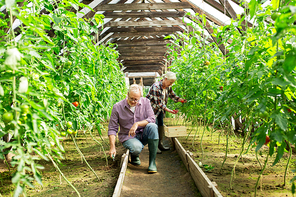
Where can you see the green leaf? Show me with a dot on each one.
(278, 81)
(193, 40)
(275, 4)
(18, 191)
(40, 154)
(282, 122)
(277, 135)
(1, 90)
(253, 6)
(293, 188)
(38, 178)
(280, 153)
(289, 63)
(56, 19)
(16, 178)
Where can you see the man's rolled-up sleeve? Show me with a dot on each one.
(113, 123)
(150, 114)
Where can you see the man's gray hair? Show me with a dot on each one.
(136, 88)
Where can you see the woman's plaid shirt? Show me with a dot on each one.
(156, 97)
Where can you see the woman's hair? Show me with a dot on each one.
(135, 88)
(170, 76)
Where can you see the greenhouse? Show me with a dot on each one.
(147, 98)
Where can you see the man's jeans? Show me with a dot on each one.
(137, 144)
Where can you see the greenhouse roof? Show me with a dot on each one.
(138, 27)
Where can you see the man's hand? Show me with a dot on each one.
(132, 131)
(112, 152)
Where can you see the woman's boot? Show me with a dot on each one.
(161, 136)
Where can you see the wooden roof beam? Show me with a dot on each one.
(143, 14)
(229, 9)
(127, 32)
(209, 29)
(143, 23)
(140, 58)
(143, 6)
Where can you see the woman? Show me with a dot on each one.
(158, 96)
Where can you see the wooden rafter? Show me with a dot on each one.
(143, 14)
(209, 29)
(229, 9)
(143, 23)
(143, 6)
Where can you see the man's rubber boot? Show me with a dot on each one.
(161, 136)
(152, 146)
(135, 160)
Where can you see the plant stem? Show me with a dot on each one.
(260, 176)
(225, 157)
(56, 166)
(287, 165)
(84, 158)
(100, 145)
(197, 128)
(11, 23)
(202, 150)
(240, 154)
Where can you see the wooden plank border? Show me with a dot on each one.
(123, 165)
(202, 182)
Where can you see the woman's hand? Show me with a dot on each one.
(182, 100)
(171, 111)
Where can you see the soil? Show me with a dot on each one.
(172, 178)
(76, 171)
(212, 153)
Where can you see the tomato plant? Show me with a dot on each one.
(254, 81)
(42, 74)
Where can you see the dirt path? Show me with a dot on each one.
(172, 178)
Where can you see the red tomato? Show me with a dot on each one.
(289, 110)
(221, 88)
(182, 101)
(75, 103)
(267, 140)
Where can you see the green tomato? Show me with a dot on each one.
(52, 143)
(70, 131)
(35, 76)
(24, 109)
(275, 15)
(69, 124)
(263, 115)
(68, 64)
(7, 117)
(63, 133)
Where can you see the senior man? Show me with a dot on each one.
(136, 119)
